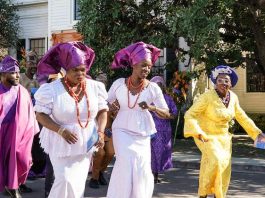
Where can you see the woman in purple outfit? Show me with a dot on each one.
(161, 142)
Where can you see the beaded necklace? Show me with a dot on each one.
(140, 87)
(76, 98)
(225, 100)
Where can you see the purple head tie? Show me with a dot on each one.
(224, 69)
(135, 53)
(64, 55)
(9, 64)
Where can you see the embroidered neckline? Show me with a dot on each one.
(225, 100)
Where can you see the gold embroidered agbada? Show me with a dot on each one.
(209, 117)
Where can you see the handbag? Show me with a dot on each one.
(93, 139)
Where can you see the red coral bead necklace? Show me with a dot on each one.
(130, 85)
(75, 96)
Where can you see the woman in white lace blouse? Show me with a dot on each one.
(132, 175)
(70, 109)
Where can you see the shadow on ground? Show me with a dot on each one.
(177, 183)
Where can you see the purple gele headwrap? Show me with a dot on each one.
(9, 64)
(64, 55)
(135, 53)
(224, 69)
(158, 79)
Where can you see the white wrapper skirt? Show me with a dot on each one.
(70, 175)
(132, 175)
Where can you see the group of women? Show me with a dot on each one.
(73, 108)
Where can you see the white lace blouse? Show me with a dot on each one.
(54, 100)
(135, 121)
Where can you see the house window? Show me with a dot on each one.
(158, 68)
(38, 45)
(77, 14)
(255, 77)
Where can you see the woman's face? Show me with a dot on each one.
(142, 69)
(76, 75)
(10, 79)
(223, 83)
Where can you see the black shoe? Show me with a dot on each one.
(102, 180)
(46, 195)
(13, 193)
(24, 189)
(93, 183)
(5, 192)
(157, 181)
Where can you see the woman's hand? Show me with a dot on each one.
(46, 121)
(162, 113)
(114, 107)
(261, 137)
(70, 138)
(143, 105)
(101, 142)
(201, 138)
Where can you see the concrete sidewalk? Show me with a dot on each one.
(181, 160)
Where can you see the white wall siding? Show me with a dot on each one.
(61, 15)
(33, 21)
(250, 102)
(27, 2)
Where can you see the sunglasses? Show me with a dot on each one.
(221, 81)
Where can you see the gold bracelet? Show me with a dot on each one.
(61, 131)
(155, 109)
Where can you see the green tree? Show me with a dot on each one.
(218, 31)
(8, 23)
(108, 26)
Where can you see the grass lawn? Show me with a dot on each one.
(242, 147)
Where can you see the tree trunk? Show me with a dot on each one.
(259, 36)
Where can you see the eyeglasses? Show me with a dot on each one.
(222, 81)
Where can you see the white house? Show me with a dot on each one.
(33, 23)
(62, 16)
(44, 23)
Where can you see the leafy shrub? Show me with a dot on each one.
(258, 118)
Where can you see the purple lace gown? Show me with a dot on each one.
(161, 142)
